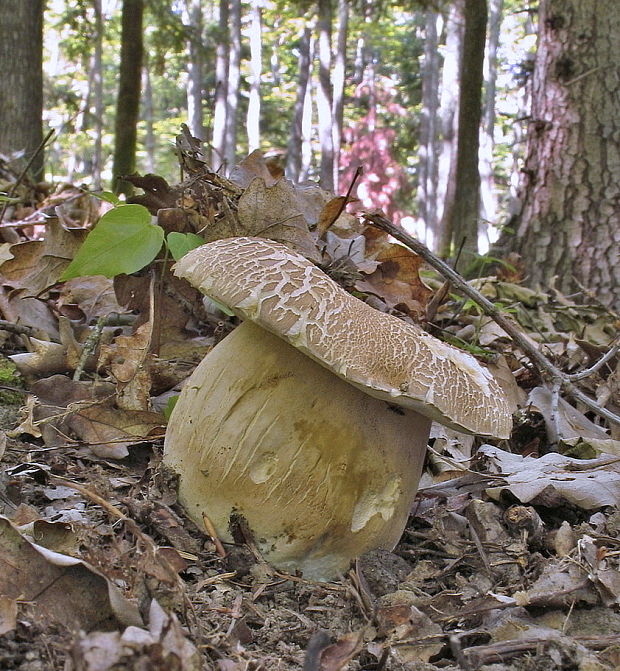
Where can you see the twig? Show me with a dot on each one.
(19, 180)
(89, 347)
(540, 361)
(601, 362)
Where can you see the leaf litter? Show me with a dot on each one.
(511, 556)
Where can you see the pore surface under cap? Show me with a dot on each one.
(283, 292)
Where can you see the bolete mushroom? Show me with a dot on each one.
(311, 419)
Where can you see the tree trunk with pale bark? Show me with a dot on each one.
(324, 98)
(568, 232)
(195, 76)
(234, 79)
(253, 116)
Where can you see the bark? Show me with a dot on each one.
(460, 221)
(221, 87)
(338, 79)
(234, 77)
(306, 124)
(448, 104)
(149, 136)
(429, 129)
(569, 230)
(128, 102)
(488, 197)
(253, 118)
(195, 68)
(98, 104)
(294, 150)
(324, 95)
(21, 79)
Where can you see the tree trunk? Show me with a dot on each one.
(460, 221)
(324, 95)
(429, 126)
(194, 22)
(234, 77)
(338, 78)
(221, 87)
(98, 104)
(448, 106)
(253, 118)
(306, 122)
(294, 150)
(149, 136)
(128, 102)
(569, 230)
(488, 197)
(21, 80)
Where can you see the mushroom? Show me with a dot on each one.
(311, 419)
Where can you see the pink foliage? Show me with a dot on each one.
(368, 143)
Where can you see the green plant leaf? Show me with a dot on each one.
(181, 243)
(123, 241)
(172, 401)
(108, 196)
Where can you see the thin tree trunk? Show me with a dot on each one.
(488, 197)
(149, 138)
(21, 79)
(338, 79)
(462, 213)
(221, 87)
(98, 104)
(256, 67)
(569, 230)
(294, 150)
(306, 122)
(429, 129)
(128, 101)
(324, 95)
(448, 106)
(234, 77)
(195, 76)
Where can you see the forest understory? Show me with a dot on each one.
(511, 555)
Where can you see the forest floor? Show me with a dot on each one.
(511, 555)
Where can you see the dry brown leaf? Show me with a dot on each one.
(39, 263)
(331, 212)
(337, 655)
(252, 166)
(397, 281)
(273, 212)
(62, 588)
(8, 614)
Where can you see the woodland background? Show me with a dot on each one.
(489, 130)
(411, 91)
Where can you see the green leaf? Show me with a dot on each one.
(181, 243)
(172, 401)
(123, 241)
(5, 199)
(107, 196)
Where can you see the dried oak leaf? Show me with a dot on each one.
(397, 281)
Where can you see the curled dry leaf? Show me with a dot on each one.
(397, 281)
(62, 588)
(555, 478)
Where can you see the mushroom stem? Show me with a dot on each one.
(321, 471)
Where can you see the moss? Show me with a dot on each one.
(9, 377)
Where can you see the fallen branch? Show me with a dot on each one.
(546, 369)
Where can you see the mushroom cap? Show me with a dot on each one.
(278, 289)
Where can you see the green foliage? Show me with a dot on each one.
(123, 241)
(181, 243)
(172, 401)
